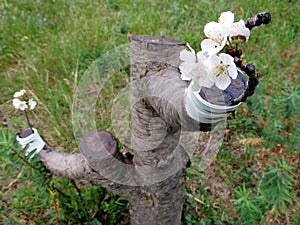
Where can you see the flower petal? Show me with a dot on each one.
(202, 77)
(202, 56)
(211, 47)
(239, 28)
(205, 81)
(212, 29)
(226, 58)
(32, 104)
(185, 76)
(189, 61)
(232, 72)
(23, 105)
(19, 93)
(190, 48)
(222, 81)
(186, 69)
(16, 103)
(211, 63)
(186, 55)
(226, 17)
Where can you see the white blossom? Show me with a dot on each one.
(18, 104)
(19, 93)
(193, 68)
(206, 68)
(239, 28)
(32, 104)
(226, 18)
(222, 68)
(189, 58)
(206, 71)
(217, 34)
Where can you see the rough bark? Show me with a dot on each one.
(158, 116)
(153, 181)
(162, 203)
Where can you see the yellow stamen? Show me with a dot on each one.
(221, 69)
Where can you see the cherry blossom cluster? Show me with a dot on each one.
(212, 66)
(21, 102)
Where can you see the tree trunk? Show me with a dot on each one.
(154, 180)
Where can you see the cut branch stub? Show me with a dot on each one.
(152, 53)
(100, 144)
(100, 149)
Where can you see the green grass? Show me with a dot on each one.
(47, 46)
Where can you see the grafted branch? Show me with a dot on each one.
(78, 166)
(72, 166)
(171, 107)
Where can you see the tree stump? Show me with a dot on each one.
(153, 181)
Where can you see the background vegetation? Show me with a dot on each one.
(46, 46)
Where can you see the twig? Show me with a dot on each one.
(250, 70)
(27, 120)
(77, 189)
(258, 19)
(54, 203)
